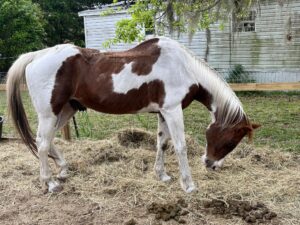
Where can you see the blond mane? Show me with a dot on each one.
(225, 101)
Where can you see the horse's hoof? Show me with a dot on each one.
(191, 189)
(188, 188)
(54, 187)
(165, 178)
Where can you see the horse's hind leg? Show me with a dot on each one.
(46, 131)
(66, 113)
(163, 136)
(60, 162)
(174, 120)
(57, 157)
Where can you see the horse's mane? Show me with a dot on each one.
(229, 108)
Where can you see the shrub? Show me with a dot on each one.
(239, 75)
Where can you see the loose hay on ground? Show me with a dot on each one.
(112, 182)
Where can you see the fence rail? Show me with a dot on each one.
(291, 86)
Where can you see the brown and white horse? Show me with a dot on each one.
(158, 76)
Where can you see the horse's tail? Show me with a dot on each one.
(16, 77)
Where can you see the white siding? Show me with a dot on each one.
(267, 52)
(99, 29)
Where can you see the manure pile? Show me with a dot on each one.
(112, 182)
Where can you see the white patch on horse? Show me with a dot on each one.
(216, 164)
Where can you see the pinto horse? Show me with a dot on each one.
(158, 76)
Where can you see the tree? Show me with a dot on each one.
(63, 23)
(21, 25)
(178, 16)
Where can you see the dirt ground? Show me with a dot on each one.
(112, 182)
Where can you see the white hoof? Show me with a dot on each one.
(54, 186)
(188, 188)
(165, 178)
(191, 189)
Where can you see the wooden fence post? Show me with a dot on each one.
(66, 132)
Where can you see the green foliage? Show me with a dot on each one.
(22, 29)
(63, 23)
(134, 29)
(180, 16)
(126, 30)
(239, 75)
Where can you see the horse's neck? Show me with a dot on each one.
(205, 97)
(219, 108)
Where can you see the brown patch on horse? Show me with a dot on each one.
(134, 100)
(197, 92)
(142, 56)
(87, 78)
(65, 83)
(89, 54)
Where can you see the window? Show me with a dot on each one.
(246, 24)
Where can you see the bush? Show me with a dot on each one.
(22, 29)
(239, 75)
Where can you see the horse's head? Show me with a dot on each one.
(221, 141)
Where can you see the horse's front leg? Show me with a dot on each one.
(163, 136)
(174, 120)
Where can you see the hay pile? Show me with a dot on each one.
(112, 182)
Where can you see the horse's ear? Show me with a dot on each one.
(250, 136)
(255, 125)
(250, 131)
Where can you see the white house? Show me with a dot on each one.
(267, 43)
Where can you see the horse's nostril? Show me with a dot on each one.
(214, 167)
(208, 162)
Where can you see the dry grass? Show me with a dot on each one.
(112, 181)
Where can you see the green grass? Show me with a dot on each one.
(278, 112)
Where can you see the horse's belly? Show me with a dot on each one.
(122, 106)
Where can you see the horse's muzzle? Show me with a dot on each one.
(211, 164)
